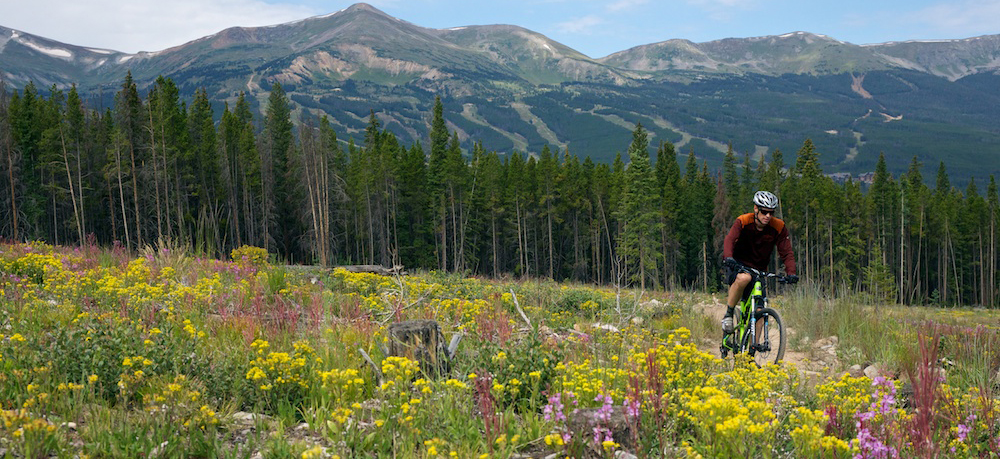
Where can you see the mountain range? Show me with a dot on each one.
(515, 89)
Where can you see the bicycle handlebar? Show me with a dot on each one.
(740, 267)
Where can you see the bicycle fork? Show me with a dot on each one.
(755, 345)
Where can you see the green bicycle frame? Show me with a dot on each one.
(748, 320)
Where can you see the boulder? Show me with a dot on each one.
(583, 422)
(856, 371)
(875, 370)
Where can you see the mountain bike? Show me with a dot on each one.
(769, 346)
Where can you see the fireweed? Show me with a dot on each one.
(88, 331)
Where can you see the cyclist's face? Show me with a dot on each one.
(764, 215)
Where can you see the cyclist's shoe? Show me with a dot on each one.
(727, 324)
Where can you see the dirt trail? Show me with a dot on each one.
(819, 362)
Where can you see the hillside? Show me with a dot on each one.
(515, 89)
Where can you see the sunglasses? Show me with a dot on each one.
(766, 211)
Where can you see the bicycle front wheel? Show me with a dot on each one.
(770, 347)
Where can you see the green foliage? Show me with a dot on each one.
(577, 301)
(526, 370)
(879, 280)
(250, 256)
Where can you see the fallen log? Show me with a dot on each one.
(375, 269)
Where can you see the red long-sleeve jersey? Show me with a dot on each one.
(753, 247)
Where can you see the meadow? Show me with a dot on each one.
(105, 353)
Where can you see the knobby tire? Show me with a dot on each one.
(776, 335)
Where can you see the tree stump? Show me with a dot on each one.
(420, 340)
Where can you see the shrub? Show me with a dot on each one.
(250, 256)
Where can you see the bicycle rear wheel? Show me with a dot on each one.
(770, 347)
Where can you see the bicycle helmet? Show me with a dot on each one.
(765, 199)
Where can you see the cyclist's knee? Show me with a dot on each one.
(742, 279)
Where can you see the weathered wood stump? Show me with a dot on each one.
(421, 340)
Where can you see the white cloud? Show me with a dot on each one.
(580, 25)
(142, 25)
(959, 19)
(622, 5)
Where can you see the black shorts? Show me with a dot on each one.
(729, 275)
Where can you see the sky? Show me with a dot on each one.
(594, 27)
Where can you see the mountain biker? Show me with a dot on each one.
(750, 241)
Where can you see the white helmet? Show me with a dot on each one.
(765, 199)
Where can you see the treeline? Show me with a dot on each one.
(153, 169)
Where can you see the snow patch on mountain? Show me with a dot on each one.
(54, 52)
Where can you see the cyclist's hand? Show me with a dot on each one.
(731, 262)
(792, 279)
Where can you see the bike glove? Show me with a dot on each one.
(730, 261)
(792, 279)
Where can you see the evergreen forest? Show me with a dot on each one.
(155, 170)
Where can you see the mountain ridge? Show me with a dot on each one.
(714, 55)
(516, 89)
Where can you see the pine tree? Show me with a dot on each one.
(731, 182)
(279, 189)
(548, 170)
(668, 179)
(205, 163)
(801, 199)
(695, 223)
(242, 175)
(416, 235)
(640, 219)
(129, 122)
(748, 184)
(993, 204)
(851, 227)
(601, 235)
(494, 203)
(456, 186)
(25, 163)
(52, 156)
(72, 132)
(774, 176)
(9, 166)
(972, 219)
(879, 281)
(517, 196)
(942, 221)
(437, 179)
(577, 212)
(916, 197)
(884, 199)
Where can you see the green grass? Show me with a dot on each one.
(157, 352)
